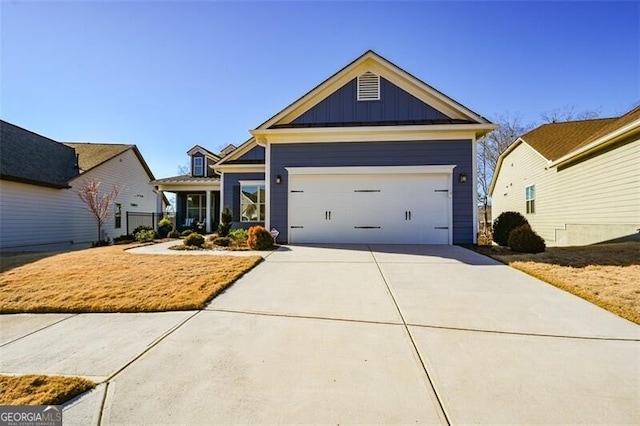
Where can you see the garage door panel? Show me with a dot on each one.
(406, 209)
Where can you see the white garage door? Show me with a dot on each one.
(389, 208)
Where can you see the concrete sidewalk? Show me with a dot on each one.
(348, 334)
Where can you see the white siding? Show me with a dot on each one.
(42, 217)
(599, 196)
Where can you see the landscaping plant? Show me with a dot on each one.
(173, 234)
(524, 240)
(258, 238)
(194, 239)
(145, 235)
(504, 224)
(225, 222)
(222, 241)
(99, 205)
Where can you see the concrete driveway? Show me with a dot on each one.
(348, 334)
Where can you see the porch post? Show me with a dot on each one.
(208, 224)
(159, 200)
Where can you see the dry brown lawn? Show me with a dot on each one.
(108, 279)
(607, 275)
(41, 390)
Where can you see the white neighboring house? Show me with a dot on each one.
(39, 206)
(576, 182)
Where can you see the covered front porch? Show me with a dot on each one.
(197, 201)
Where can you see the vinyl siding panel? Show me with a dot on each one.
(33, 215)
(394, 105)
(414, 153)
(602, 192)
(255, 153)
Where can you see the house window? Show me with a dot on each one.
(196, 207)
(531, 198)
(118, 215)
(198, 166)
(252, 201)
(368, 87)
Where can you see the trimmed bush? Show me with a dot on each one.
(504, 224)
(101, 243)
(194, 239)
(186, 232)
(524, 240)
(222, 241)
(258, 238)
(165, 221)
(123, 239)
(225, 222)
(173, 234)
(145, 235)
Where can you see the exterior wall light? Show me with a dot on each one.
(462, 178)
(278, 179)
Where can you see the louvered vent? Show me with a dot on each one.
(368, 87)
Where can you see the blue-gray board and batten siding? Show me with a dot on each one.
(231, 196)
(413, 153)
(394, 105)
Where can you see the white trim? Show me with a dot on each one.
(257, 183)
(186, 187)
(372, 133)
(474, 182)
(450, 209)
(267, 188)
(208, 212)
(221, 197)
(240, 168)
(202, 166)
(374, 170)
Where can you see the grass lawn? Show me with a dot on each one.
(607, 275)
(41, 390)
(108, 279)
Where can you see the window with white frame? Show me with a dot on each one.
(196, 207)
(118, 216)
(198, 166)
(252, 201)
(530, 196)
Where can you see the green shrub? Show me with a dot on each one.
(225, 222)
(194, 239)
(222, 241)
(258, 238)
(165, 221)
(173, 234)
(524, 240)
(145, 235)
(142, 228)
(186, 232)
(504, 224)
(238, 234)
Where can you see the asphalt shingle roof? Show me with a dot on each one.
(31, 158)
(555, 140)
(94, 154)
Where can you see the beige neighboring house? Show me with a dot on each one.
(576, 182)
(39, 177)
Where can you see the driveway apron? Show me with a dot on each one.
(350, 334)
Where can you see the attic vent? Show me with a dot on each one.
(368, 87)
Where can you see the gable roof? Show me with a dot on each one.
(371, 61)
(238, 152)
(31, 158)
(204, 151)
(91, 155)
(561, 142)
(554, 140)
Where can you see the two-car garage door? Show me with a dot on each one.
(363, 205)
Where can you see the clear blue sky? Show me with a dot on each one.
(170, 75)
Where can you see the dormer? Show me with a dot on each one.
(228, 150)
(202, 161)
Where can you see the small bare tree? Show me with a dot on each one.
(568, 113)
(99, 205)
